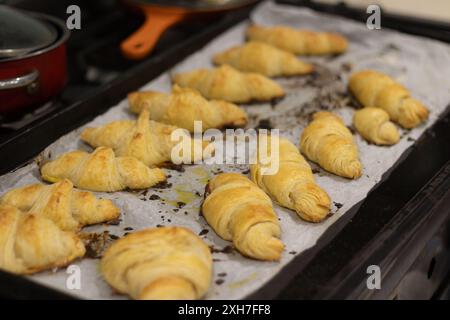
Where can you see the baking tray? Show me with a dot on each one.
(335, 267)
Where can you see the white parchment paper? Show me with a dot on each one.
(420, 64)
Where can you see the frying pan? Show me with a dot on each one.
(162, 14)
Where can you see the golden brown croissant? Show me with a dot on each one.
(300, 42)
(168, 263)
(30, 243)
(184, 106)
(293, 185)
(241, 212)
(226, 83)
(146, 140)
(328, 142)
(101, 171)
(68, 208)
(374, 125)
(259, 57)
(374, 89)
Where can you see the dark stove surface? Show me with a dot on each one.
(94, 57)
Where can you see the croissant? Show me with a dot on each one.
(184, 106)
(293, 185)
(299, 42)
(262, 58)
(168, 263)
(148, 141)
(374, 125)
(31, 243)
(68, 208)
(101, 171)
(328, 142)
(226, 83)
(239, 211)
(374, 89)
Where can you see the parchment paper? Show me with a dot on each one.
(420, 64)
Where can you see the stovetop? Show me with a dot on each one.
(94, 57)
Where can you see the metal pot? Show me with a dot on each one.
(33, 66)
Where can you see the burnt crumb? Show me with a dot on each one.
(185, 212)
(180, 204)
(392, 47)
(222, 274)
(264, 124)
(145, 193)
(346, 67)
(163, 185)
(276, 101)
(114, 222)
(125, 234)
(128, 229)
(159, 211)
(198, 194)
(337, 204)
(114, 237)
(168, 220)
(175, 167)
(176, 210)
(351, 129)
(169, 176)
(95, 243)
(159, 226)
(292, 252)
(246, 171)
(154, 197)
(226, 250)
(405, 133)
(410, 139)
(219, 281)
(218, 171)
(315, 170)
(144, 199)
(203, 232)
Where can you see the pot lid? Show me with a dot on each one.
(21, 33)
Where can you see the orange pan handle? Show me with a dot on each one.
(142, 42)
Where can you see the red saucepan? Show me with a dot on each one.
(161, 14)
(32, 59)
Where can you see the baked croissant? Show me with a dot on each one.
(229, 84)
(262, 58)
(101, 171)
(31, 243)
(373, 125)
(169, 263)
(146, 140)
(184, 106)
(293, 185)
(239, 211)
(300, 42)
(68, 208)
(374, 89)
(328, 142)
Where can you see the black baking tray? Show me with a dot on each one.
(412, 196)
